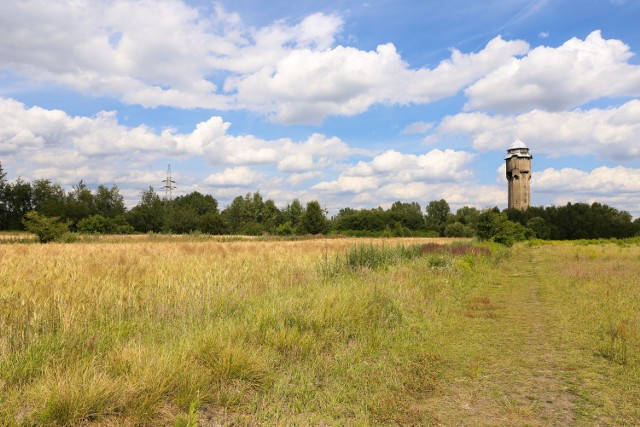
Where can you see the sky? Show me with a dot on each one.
(351, 103)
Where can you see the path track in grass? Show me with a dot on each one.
(516, 364)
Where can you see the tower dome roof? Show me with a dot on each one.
(518, 149)
(517, 144)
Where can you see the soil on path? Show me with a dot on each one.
(515, 366)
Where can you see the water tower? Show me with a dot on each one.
(519, 174)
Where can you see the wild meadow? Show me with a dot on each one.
(190, 331)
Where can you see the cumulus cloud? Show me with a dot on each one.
(297, 178)
(306, 85)
(617, 186)
(167, 53)
(37, 143)
(600, 181)
(405, 170)
(150, 53)
(558, 78)
(610, 133)
(240, 176)
(33, 129)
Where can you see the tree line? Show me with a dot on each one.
(45, 205)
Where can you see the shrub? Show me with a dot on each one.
(458, 229)
(48, 229)
(497, 227)
(98, 224)
(94, 224)
(285, 229)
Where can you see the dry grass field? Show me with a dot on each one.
(193, 331)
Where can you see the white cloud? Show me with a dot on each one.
(37, 132)
(447, 165)
(150, 52)
(348, 184)
(167, 53)
(298, 162)
(397, 173)
(600, 181)
(417, 128)
(297, 178)
(558, 78)
(240, 176)
(39, 143)
(611, 133)
(616, 186)
(306, 85)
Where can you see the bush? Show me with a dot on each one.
(98, 224)
(496, 227)
(510, 232)
(213, 223)
(458, 229)
(94, 224)
(285, 229)
(48, 229)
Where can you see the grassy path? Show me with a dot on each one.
(517, 363)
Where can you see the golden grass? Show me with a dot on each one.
(159, 330)
(138, 331)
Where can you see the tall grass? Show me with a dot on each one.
(155, 332)
(374, 257)
(179, 331)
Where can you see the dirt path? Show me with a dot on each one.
(514, 364)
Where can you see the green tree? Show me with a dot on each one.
(213, 223)
(197, 202)
(182, 220)
(108, 202)
(233, 214)
(48, 229)
(48, 199)
(467, 215)
(98, 224)
(80, 203)
(294, 213)
(149, 214)
(408, 214)
(539, 227)
(245, 214)
(186, 213)
(314, 220)
(17, 198)
(509, 232)
(487, 223)
(437, 215)
(271, 216)
(458, 229)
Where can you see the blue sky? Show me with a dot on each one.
(351, 103)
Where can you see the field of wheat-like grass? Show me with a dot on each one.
(141, 332)
(193, 331)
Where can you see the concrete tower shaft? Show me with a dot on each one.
(519, 175)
